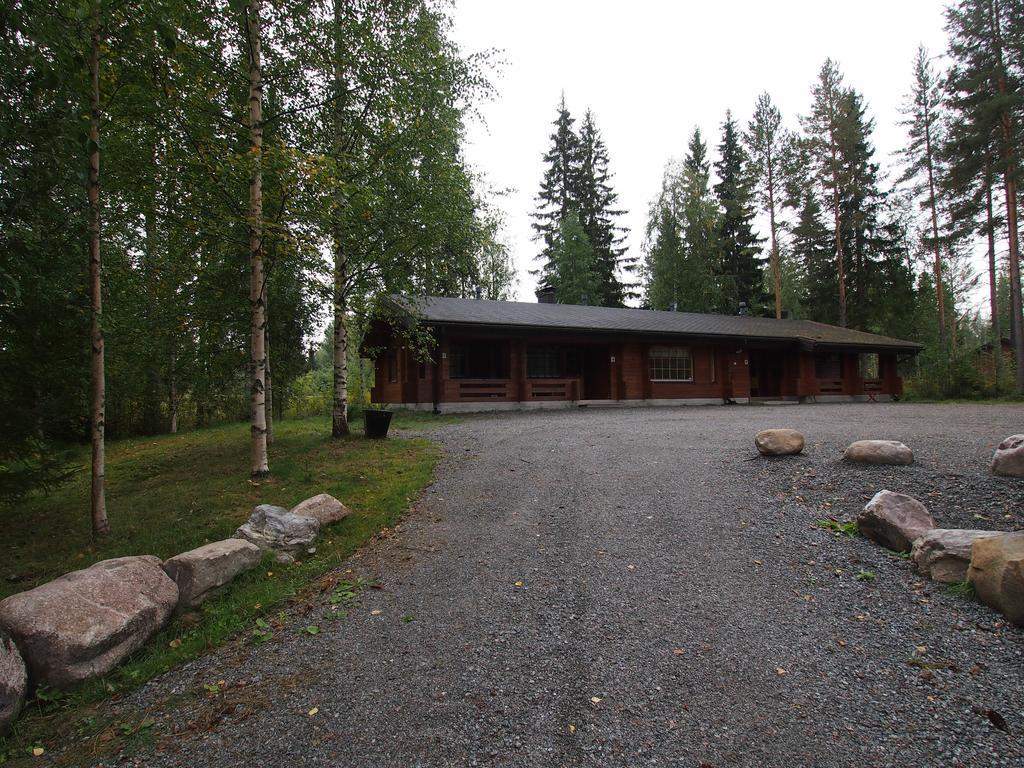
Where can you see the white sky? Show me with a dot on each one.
(651, 71)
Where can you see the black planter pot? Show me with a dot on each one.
(376, 423)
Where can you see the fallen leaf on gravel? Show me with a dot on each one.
(175, 643)
(376, 612)
(678, 651)
(780, 671)
(572, 728)
(37, 751)
(595, 700)
(841, 643)
(758, 562)
(921, 648)
(313, 711)
(519, 584)
(860, 617)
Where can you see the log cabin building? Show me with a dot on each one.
(490, 355)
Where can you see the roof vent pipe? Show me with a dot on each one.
(546, 295)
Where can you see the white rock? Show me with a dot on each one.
(271, 527)
(879, 452)
(13, 681)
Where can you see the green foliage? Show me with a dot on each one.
(573, 264)
(839, 528)
(963, 590)
(177, 492)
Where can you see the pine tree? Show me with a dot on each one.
(558, 192)
(812, 249)
(596, 200)
(741, 269)
(824, 130)
(766, 143)
(923, 121)
(985, 94)
(574, 273)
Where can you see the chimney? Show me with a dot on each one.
(546, 295)
(744, 309)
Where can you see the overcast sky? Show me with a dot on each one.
(651, 71)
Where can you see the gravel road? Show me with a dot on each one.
(637, 587)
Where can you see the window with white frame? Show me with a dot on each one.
(670, 364)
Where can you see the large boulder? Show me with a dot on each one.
(779, 442)
(276, 528)
(13, 681)
(944, 554)
(997, 573)
(201, 572)
(1008, 459)
(323, 508)
(82, 624)
(879, 452)
(894, 520)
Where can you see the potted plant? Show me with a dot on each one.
(376, 420)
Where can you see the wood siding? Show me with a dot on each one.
(721, 370)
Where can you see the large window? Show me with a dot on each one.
(670, 364)
(869, 365)
(545, 362)
(478, 360)
(828, 365)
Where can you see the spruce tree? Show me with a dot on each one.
(700, 290)
(665, 260)
(574, 273)
(812, 249)
(596, 201)
(741, 268)
(558, 189)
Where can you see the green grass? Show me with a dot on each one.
(168, 494)
(963, 590)
(844, 529)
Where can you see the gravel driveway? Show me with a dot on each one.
(632, 587)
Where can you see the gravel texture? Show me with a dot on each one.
(633, 587)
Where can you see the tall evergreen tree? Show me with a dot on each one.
(741, 268)
(701, 291)
(766, 142)
(823, 127)
(666, 265)
(986, 99)
(558, 191)
(574, 272)
(596, 201)
(923, 120)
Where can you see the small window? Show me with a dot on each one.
(392, 366)
(828, 365)
(670, 364)
(869, 365)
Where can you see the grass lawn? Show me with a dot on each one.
(172, 493)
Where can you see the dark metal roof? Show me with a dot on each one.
(571, 317)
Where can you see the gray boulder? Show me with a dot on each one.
(201, 572)
(13, 681)
(997, 573)
(779, 442)
(1008, 460)
(879, 452)
(943, 554)
(323, 508)
(271, 527)
(894, 520)
(82, 624)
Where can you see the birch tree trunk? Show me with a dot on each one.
(173, 404)
(840, 258)
(339, 409)
(98, 394)
(257, 291)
